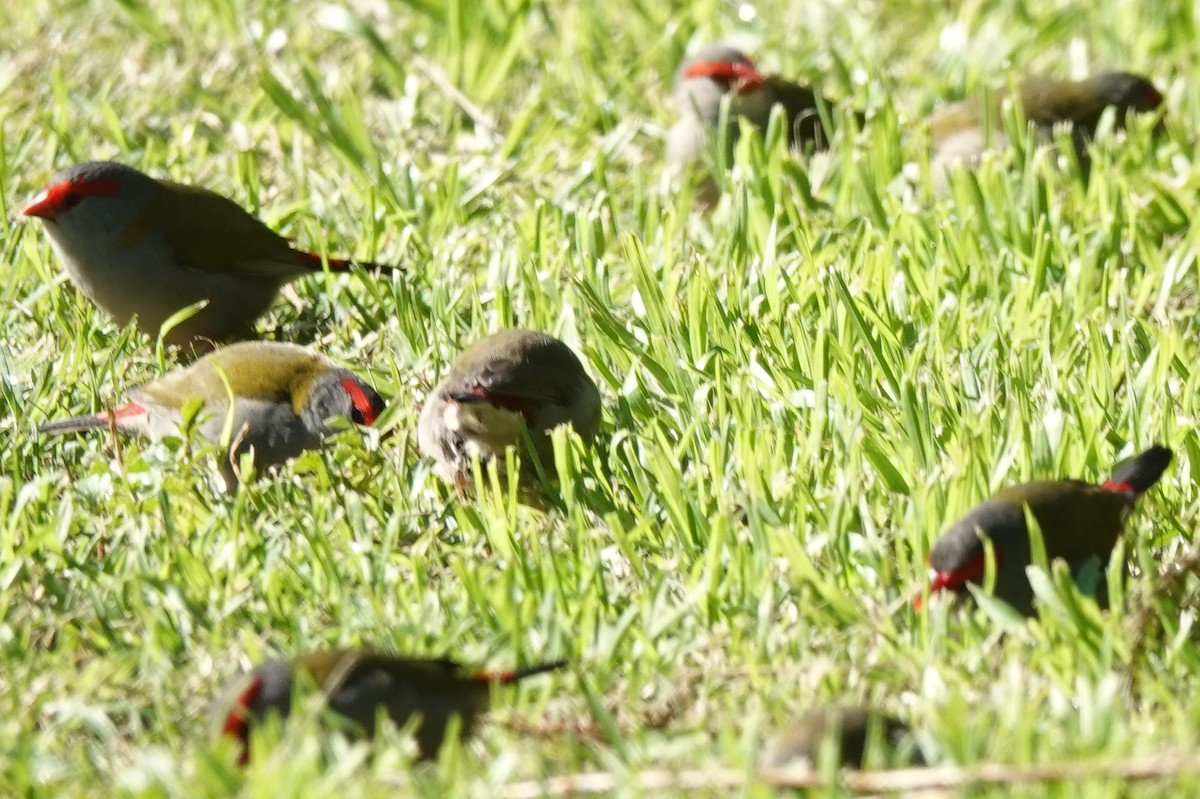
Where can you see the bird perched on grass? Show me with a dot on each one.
(508, 387)
(715, 72)
(138, 246)
(961, 134)
(1078, 521)
(848, 730)
(281, 397)
(357, 684)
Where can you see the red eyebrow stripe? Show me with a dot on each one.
(361, 401)
(56, 196)
(313, 262)
(505, 401)
(726, 70)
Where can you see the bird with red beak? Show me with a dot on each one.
(505, 390)
(358, 684)
(961, 134)
(275, 400)
(1079, 521)
(147, 248)
(710, 75)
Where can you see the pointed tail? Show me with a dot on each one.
(313, 260)
(1134, 475)
(124, 415)
(510, 677)
(76, 424)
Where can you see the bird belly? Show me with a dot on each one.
(270, 430)
(454, 433)
(486, 429)
(144, 279)
(963, 148)
(685, 142)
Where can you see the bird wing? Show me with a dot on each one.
(344, 667)
(548, 388)
(1077, 519)
(522, 365)
(1048, 102)
(211, 233)
(800, 102)
(258, 370)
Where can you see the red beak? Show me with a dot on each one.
(42, 207)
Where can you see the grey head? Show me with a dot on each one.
(706, 76)
(339, 393)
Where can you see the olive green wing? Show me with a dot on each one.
(258, 370)
(211, 233)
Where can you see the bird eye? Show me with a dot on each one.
(71, 200)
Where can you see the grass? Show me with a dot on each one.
(801, 390)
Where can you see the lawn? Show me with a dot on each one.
(801, 390)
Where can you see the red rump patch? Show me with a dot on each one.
(510, 677)
(365, 412)
(237, 723)
(64, 195)
(505, 401)
(127, 411)
(314, 261)
(741, 74)
(1118, 488)
(501, 677)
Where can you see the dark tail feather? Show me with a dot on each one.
(1135, 475)
(345, 264)
(510, 677)
(76, 425)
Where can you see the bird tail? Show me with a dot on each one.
(77, 424)
(313, 261)
(510, 677)
(95, 421)
(1134, 475)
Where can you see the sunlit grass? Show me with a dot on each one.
(801, 389)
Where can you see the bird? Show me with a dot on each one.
(282, 397)
(141, 247)
(958, 129)
(357, 684)
(717, 71)
(1078, 521)
(849, 729)
(502, 386)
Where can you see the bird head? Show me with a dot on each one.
(710, 74)
(266, 688)
(1128, 92)
(960, 557)
(97, 198)
(341, 393)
